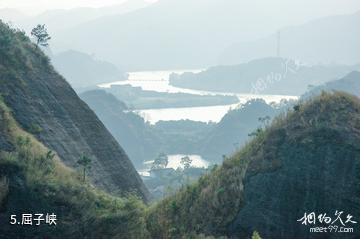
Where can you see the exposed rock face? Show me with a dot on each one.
(318, 170)
(44, 104)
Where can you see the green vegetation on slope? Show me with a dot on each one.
(232, 131)
(15, 59)
(33, 180)
(44, 104)
(209, 205)
(212, 204)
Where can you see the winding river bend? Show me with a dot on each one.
(159, 81)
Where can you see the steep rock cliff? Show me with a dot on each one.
(44, 104)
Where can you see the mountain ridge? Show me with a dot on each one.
(44, 104)
(317, 141)
(269, 75)
(309, 42)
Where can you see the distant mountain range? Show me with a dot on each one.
(350, 84)
(328, 40)
(82, 70)
(58, 20)
(262, 76)
(178, 34)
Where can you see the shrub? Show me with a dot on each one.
(35, 129)
(255, 235)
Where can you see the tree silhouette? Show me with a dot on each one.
(296, 108)
(186, 162)
(41, 35)
(85, 163)
(265, 120)
(160, 162)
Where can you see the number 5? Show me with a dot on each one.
(13, 219)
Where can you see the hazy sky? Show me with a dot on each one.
(36, 6)
(317, 7)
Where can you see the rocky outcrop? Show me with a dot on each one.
(44, 104)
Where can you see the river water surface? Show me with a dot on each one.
(159, 81)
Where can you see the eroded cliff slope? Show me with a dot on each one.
(44, 104)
